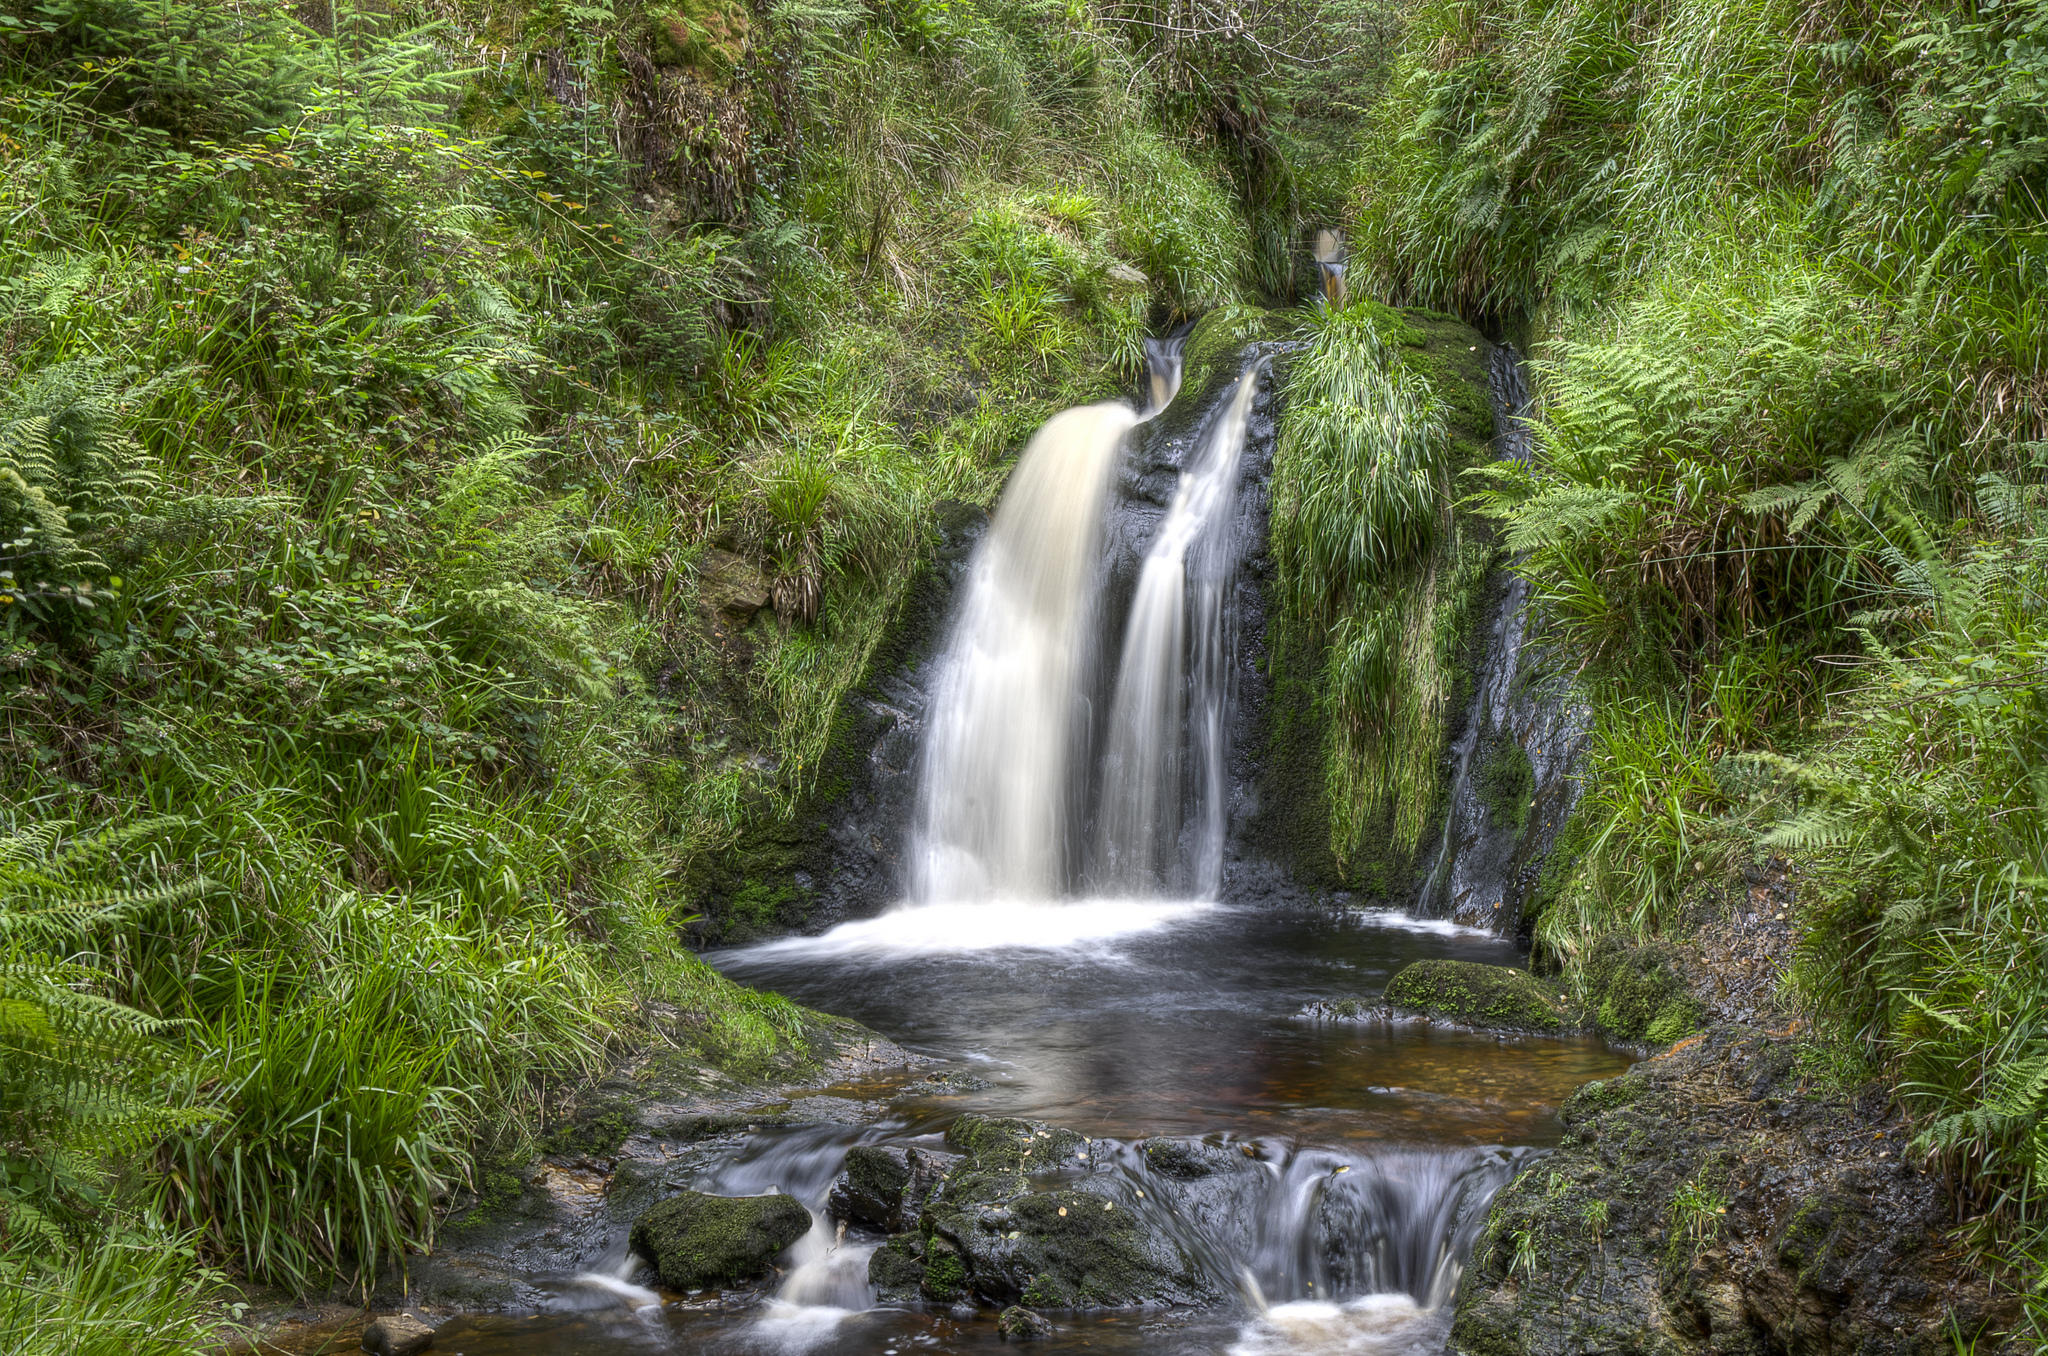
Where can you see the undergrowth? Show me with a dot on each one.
(1781, 269)
(1375, 575)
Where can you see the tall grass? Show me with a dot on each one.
(1374, 583)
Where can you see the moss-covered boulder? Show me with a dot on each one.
(695, 1241)
(1494, 997)
(1024, 1218)
(884, 1186)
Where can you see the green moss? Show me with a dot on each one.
(1047, 1291)
(945, 1272)
(1635, 991)
(595, 1135)
(696, 1241)
(1505, 781)
(1492, 996)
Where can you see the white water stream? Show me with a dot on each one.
(1170, 708)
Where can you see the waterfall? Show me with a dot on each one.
(1172, 686)
(1006, 713)
(1006, 757)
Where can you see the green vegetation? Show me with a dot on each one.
(1491, 997)
(695, 1240)
(1376, 575)
(1781, 269)
(454, 460)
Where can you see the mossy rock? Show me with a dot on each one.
(1491, 996)
(896, 1269)
(696, 1241)
(995, 1231)
(1637, 992)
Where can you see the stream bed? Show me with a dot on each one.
(1378, 1144)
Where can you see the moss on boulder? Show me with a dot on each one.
(994, 1232)
(1638, 992)
(695, 1241)
(1495, 997)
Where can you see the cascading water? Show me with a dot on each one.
(1169, 712)
(1331, 1178)
(1008, 715)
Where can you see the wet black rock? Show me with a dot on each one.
(1488, 997)
(884, 1186)
(896, 1269)
(1026, 1218)
(1018, 1324)
(695, 1241)
(1718, 1200)
(397, 1335)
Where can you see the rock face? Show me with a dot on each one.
(1711, 1200)
(1493, 997)
(694, 1240)
(1023, 1219)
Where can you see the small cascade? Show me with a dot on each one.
(1511, 784)
(1337, 1239)
(1168, 714)
(615, 1280)
(1314, 1223)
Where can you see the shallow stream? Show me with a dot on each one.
(1125, 1020)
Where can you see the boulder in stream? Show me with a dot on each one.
(1018, 1324)
(884, 1186)
(695, 1241)
(1025, 1217)
(1489, 997)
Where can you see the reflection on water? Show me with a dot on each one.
(1190, 1026)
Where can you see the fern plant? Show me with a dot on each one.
(69, 475)
(75, 1064)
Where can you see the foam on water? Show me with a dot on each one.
(1370, 1325)
(969, 927)
(1407, 922)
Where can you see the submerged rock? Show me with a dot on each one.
(397, 1335)
(695, 1241)
(884, 1186)
(1712, 1200)
(1492, 997)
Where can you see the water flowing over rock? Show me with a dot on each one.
(1511, 787)
(1164, 800)
(1007, 772)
